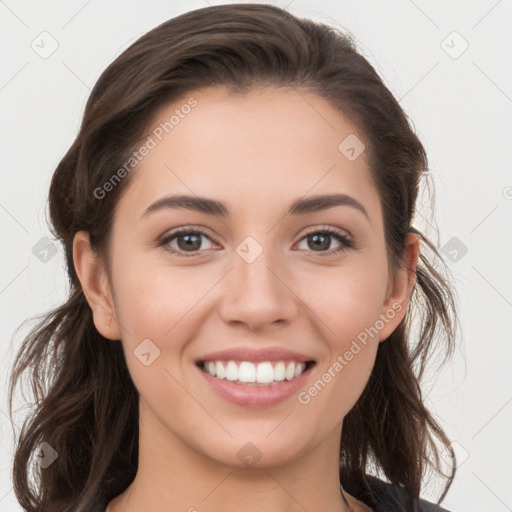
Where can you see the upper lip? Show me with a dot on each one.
(255, 355)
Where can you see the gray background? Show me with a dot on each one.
(460, 102)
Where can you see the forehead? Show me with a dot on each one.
(268, 145)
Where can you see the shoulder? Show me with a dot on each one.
(390, 497)
(385, 497)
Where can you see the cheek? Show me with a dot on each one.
(340, 379)
(347, 300)
(155, 312)
(153, 298)
(348, 309)
(159, 309)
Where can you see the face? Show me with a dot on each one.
(269, 269)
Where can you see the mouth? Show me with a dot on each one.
(248, 373)
(261, 384)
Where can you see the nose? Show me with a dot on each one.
(258, 293)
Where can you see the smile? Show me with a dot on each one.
(247, 372)
(255, 384)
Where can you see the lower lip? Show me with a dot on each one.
(256, 396)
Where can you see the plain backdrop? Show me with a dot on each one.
(448, 63)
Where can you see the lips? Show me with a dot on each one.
(255, 355)
(253, 394)
(248, 393)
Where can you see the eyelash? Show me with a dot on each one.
(346, 242)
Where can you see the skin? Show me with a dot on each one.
(257, 153)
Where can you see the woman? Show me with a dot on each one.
(237, 212)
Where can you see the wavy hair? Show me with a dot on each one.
(85, 403)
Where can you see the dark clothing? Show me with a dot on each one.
(389, 498)
(386, 498)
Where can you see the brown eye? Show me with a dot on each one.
(187, 241)
(320, 241)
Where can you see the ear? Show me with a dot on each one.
(93, 277)
(400, 287)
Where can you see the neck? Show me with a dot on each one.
(173, 476)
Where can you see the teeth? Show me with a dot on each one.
(261, 373)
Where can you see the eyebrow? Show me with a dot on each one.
(213, 207)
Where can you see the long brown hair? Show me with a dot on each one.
(85, 403)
